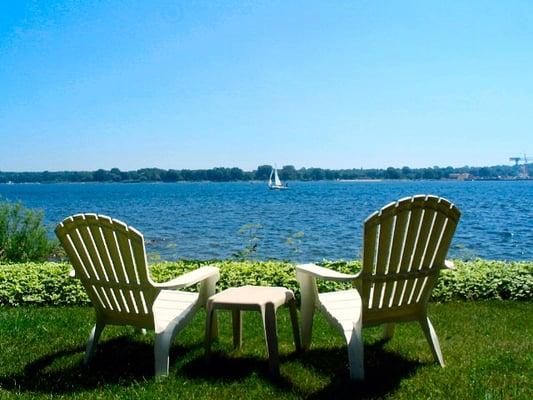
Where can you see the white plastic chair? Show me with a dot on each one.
(405, 245)
(110, 260)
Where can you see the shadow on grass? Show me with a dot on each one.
(122, 361)
(220, 368)
(125, 362)
(384, 370)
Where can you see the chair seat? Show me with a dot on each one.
(171, 306)
(343, 307)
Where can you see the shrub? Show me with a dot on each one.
(482, 279)
(48, 283)
(23, 236)
(40, 284)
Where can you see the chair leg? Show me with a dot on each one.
(93, 341)
(388, 330)
(354, 339)
(161, 350)
(209, 334)
(294, 323)
(432, 339)
(308, 290)
(269, 322)
(208, 289)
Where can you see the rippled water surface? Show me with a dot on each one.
(202, 220)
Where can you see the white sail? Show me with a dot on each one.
(277, 182)
(276, 185)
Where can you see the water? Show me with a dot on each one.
(202, 220)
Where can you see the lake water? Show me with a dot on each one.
(202, 220)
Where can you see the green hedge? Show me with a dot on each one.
(48, 283)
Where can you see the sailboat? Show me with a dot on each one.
(276, 185)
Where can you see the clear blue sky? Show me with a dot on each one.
(94, 84)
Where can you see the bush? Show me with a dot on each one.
(48, 283)
(40, 284)
(482, 279)
(23, 236)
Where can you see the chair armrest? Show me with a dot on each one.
(191, 278)
(324, 273)
(449, 265)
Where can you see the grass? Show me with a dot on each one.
(487, 346)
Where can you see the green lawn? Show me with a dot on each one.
(488, 348)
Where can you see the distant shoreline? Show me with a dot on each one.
(262, 173)
(255, 182)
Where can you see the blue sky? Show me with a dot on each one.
(93, 84)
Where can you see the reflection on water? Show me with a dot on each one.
(202, 220)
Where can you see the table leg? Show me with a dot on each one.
(268, 313)
(237, 328)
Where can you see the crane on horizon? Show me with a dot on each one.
(524, 173)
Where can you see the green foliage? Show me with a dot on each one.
(295, 241)
(23, 236)
(48, 283)
(250, 232)
(482, 279)
(40, 284)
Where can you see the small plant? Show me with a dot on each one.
(154, 257)
(295, 241)
(251, 234)
(23, 236)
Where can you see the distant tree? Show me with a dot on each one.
(484, 172)
(392, 173)
(150, 174)
(447, 171)
(316, 174)
(331, 174)
(216, 175)
(374, 174)
(236, 174)
(115, 175)
(406, 173)
(288, 173)
(428, 173)
(303, 175)
(263, 172)
(199, 175)
(171, 176)
(101, 175)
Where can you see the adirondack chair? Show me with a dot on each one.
(110, 260)
(405, 245)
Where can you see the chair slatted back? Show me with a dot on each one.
(110, 259)
(405, 245)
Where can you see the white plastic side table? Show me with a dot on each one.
(264, 299)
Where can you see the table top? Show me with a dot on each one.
(251, 296)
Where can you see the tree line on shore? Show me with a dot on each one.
(287, 173)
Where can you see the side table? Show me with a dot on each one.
(264, 299)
